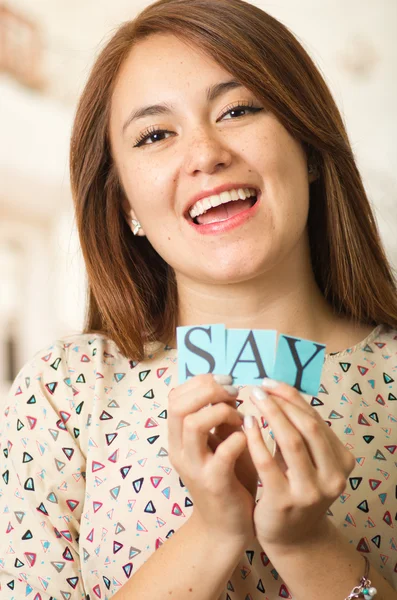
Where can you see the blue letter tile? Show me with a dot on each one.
(201, 349)
(299, 362)
(250, 355)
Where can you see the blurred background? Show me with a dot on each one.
(46, 50)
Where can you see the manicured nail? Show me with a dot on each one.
(233, 391)
(258, 393)
(223, 379)
(248, 421)
(270, 384)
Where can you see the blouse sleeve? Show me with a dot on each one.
(42, 483)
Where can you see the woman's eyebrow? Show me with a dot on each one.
(213, 92)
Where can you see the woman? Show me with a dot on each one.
(117, 482)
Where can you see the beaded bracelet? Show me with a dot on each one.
(364, 590)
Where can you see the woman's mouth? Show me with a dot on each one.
(223, 212)
(225, 217)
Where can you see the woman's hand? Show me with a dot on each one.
(307, 477)
(220, 502)
(244, 469)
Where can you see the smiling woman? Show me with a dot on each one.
(213, 182)
(274, 107)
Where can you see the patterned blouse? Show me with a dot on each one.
(87, 491)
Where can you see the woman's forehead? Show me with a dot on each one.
(163, 70)
(161, 62)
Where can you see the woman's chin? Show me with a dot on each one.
(229, 274)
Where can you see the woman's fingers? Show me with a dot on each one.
(289, 438)
(328, 471)
(341, 455)
(190, 397)
(225, 457)
(308, 453)
(268, 469)
(278, 457)
(245, 468)
(197, 426)
(213, 441)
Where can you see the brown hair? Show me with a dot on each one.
(132, 290)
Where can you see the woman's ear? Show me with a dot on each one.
(134, 224)
(312, 165)
(313, 172)
(130, 216)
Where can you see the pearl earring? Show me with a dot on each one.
(137, 226)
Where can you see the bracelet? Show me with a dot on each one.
(364, 590)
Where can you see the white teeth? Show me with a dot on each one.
(200, 207)
(225, 197)
(215, 200)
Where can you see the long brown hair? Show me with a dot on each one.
(132, 290)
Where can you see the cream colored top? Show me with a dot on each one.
(87, 492)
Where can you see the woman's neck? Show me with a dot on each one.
(291, 305)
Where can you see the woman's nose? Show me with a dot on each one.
(205, 152)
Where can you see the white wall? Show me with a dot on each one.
(36, 214)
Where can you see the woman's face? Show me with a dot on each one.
(205, 146)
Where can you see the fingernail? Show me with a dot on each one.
(270, 384)
(258, 393)
(248, 421)
(223, 379)
(233, 391)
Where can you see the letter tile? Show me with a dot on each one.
(299, 362)
(201, 349)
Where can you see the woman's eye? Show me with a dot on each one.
(141, 141)
(156, 132)
(241, 108)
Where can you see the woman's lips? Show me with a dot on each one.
(228, 224)
(224, 211)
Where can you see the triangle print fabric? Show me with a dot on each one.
(88, 494)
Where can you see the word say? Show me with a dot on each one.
(249, 355)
